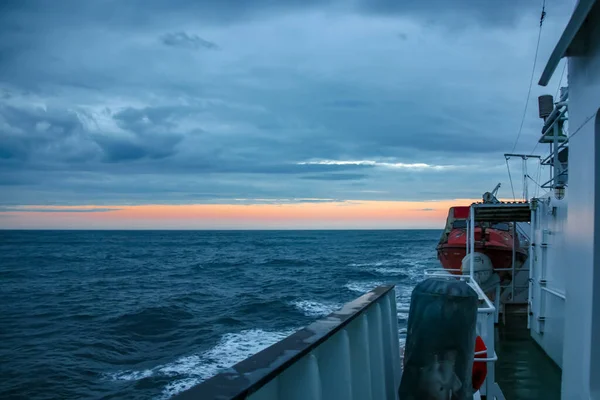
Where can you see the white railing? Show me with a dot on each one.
(351, 354)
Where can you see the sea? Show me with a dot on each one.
(148, 314)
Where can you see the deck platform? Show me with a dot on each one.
(523, 370)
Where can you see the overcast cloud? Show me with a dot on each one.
(114, 102)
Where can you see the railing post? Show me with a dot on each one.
(376, 352)
(472, 240)
(361, 360)
(302, 381)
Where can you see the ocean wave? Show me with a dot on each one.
(312, 308)
(403, 296)
(396, 272)
(362, 287)
(151, 320)
(380, 263)
(285, 262)
(178, 386)
(415, 263)
(131, 375)
(154, 308)
(193, 369)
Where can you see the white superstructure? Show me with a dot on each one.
(565, 300)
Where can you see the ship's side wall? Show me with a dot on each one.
(549, 272)
(581, 356)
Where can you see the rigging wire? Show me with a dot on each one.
(510, 178)
(584, 123)
(534, 147)
(539, 186)
(537, 48)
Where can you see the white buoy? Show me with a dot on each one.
(482, 267)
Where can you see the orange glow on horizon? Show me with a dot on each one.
(321, 215)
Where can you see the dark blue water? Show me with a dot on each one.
(117, 314)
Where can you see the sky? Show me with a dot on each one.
(206, 114)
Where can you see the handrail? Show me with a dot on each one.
(253, 373)
(489, 359)
(467, 278)
(554, 292)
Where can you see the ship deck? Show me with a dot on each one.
(523, 370)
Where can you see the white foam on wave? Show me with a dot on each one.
(178, 386)
(193, 369)
(374, 263)
(130, 375)
(315, 309)
(362, 287)
(403, 294)
(391, 271)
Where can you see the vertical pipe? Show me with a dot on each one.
(532, 224)
(525, 186)
(497, 303)
(472, 240)
(491, 375)
(514, 256)
(542, 278)
(468, 239)
(555, 155)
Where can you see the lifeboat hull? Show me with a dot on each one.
(451, 256)
(497, 245)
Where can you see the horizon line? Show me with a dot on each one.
(219, 229)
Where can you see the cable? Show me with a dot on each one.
(537, 48)
(588, 119)
(540, 186)
(511, 182)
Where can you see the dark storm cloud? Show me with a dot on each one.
(126, 102)
(33, 131)
(185, 41)
(41, 136)
(152, 136)
(488, 12)
(150, 12)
